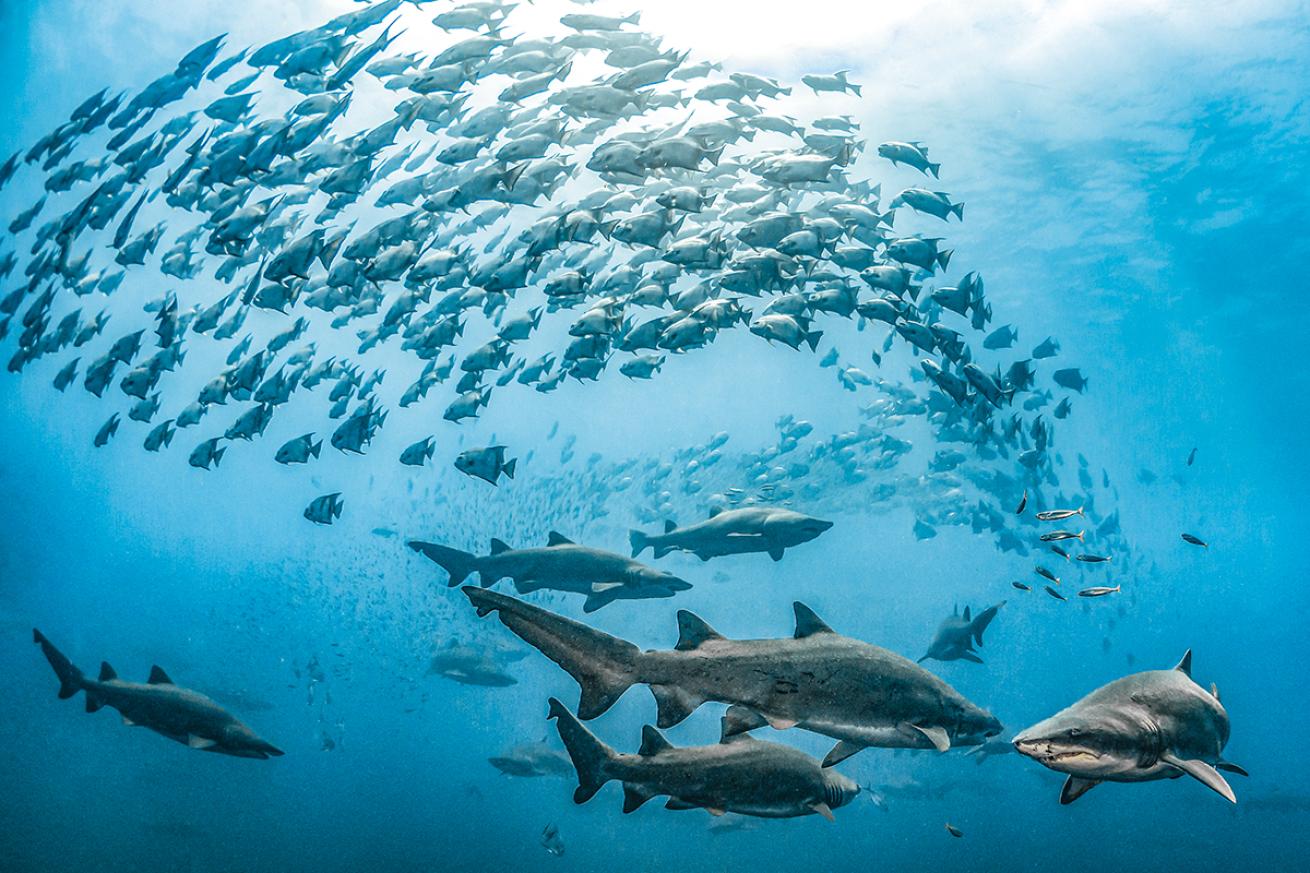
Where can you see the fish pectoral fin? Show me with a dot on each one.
(1075, 788)
(1203, 773)
(634, 796)
(840, 752)
(1230, 767)
(824, 810)
(202, 743)
(937, 736)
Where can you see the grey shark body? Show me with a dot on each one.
(958, 633)
(740, 774)
(562, 565)
(1158, 724)
(180, 714)
(735, 531)
(819, 680)
(532, 759)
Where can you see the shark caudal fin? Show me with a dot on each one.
(639, 542)
(981, 620)
(71, 679)
(603, 666)
(458, 564)
(589, 755)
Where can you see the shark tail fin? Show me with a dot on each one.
(639, 542)
(458, 564)
(71, 679)
(981, 620)
(590, 756)
(604, 666)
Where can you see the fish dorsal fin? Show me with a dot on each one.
(555, 538)
(652, 742)
(738, 721)
(107, 672)
(159, 677)
(1214, 692)
(1185, 665)
(498, 546)
(670, 525)
(967, 616)
(807, 623)
(693, 630)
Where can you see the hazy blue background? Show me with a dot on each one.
(1137, 185)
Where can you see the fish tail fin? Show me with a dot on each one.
(510, 467)
(715, 155)
(944, 257)
(218, 456)
(982, 620)
(812, 339)
(315, 448)
(603, 666)
(71, 679)
(855, 88)
(958, 209)
(935, 169)
(458, 564)
(639, 541)
(591, 758)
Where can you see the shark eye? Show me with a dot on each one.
(1073, 732)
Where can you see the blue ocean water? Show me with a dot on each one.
(1135, 180)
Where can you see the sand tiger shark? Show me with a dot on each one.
(180, 714)
(740, 774)
(958, 633)
(819, 680)
(733, 532)
(1158, 724)
(560, 565)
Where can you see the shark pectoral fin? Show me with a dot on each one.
(676, 803)
(634, 796)
(739, 720)
(970, 656)
(781, 724)
(602, 587)
(127, 722)
(673, 704)
(1203, 773)
(937, 736)
(196, 742)
(1230, 767)
(840, 752)
(1075, 788)
(824, 810)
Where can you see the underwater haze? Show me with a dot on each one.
(809, 332)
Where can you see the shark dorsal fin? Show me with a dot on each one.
(1185, 665)
(807, 623)
(498, 546)
(967, 615)
(107, 672)
(652, 742)
(693, 630)
(555, 538)
(159, 677)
